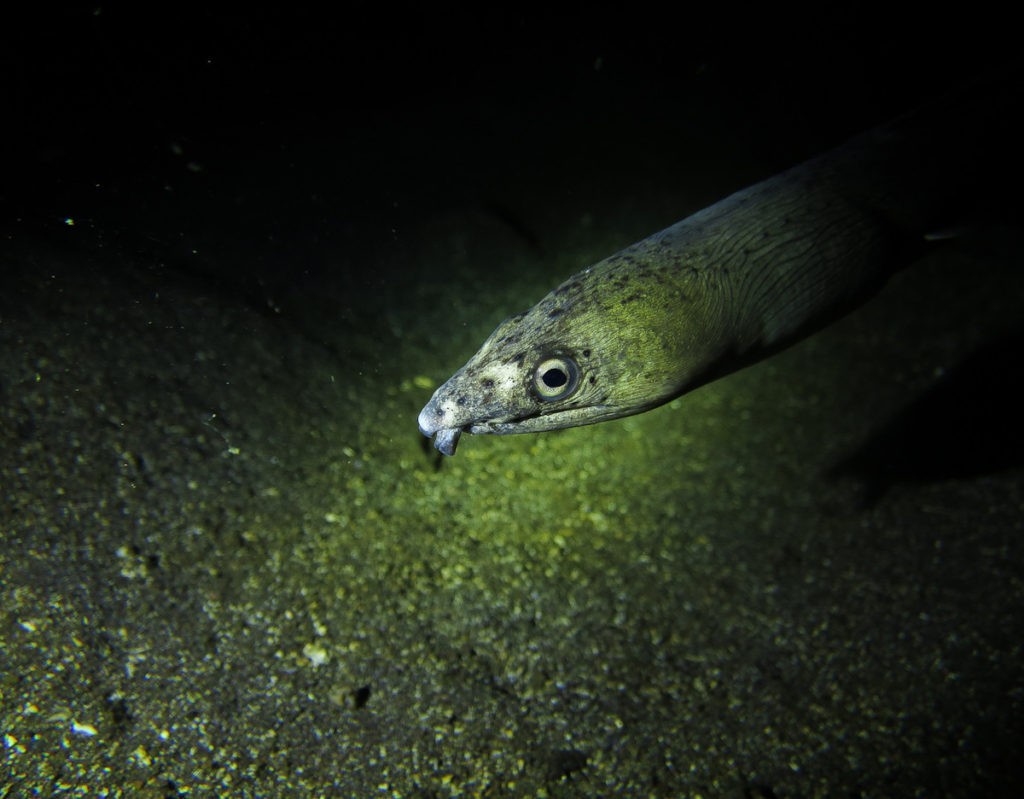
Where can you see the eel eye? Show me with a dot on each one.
(556, 378)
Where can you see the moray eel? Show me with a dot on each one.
(724, 287)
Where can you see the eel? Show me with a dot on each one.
(731, 284)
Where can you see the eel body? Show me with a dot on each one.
(724, 287)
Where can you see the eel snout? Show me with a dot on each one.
(447, 438)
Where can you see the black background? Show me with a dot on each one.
(269, 137)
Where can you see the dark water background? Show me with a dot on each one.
(238, 252)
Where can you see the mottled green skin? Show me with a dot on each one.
(714, 292)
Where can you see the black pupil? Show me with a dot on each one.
(553, 378)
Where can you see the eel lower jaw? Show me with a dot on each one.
(447, 440)
(544, 422)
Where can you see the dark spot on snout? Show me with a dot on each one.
(487, 383)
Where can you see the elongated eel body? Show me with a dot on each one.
(726, 286)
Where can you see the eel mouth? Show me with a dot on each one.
(544, 421)
(446, 439)
(435, 423)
